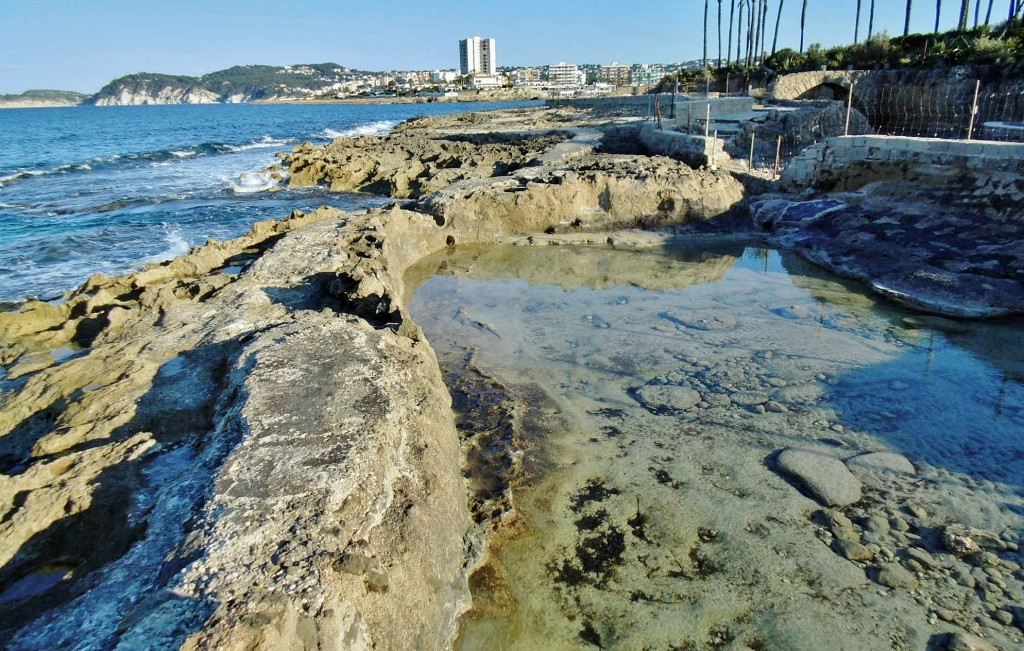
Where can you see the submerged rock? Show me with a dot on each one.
(826, 478)
(661, 398)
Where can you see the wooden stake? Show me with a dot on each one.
(750, 165)
(707, 122)
(974, 110)
(849, 110)
(778, 157)
(714, 149)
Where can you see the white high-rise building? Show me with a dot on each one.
(478, 56)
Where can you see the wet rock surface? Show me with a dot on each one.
(165, 481)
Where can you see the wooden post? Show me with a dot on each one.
(714, 149)
(707, 121)
(974, 110)
(750, 165)
(849, 110)
(778, 157)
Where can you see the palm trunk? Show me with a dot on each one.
(938, 14)
(906, 21)
(706, 34)
(977, 14)
(803, 25)
(728, 50)
(778, 19)
(739, 34)
(988, 14)
(965, 14)
(856, 25)
(764, 31)
(871, 19)
(719, 33)
(750, 31)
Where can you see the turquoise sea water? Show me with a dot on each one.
(105, 189)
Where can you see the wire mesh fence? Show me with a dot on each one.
(943, 111)
(956, 111)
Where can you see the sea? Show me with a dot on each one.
(88, 190)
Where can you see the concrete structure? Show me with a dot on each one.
(563, 74)
(853, 160)
(478, 56)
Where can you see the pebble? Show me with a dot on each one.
(963, 577)
(899, 524)
(946, 615)
(960, 641)
(877, 524)
(852, 551)
(894, 575)
(916, 511)
(1003, 617)
(776, 407)
(923, 557)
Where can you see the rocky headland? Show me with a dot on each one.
(252, 446)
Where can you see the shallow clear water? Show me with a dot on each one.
(105, 189)
(630, 524)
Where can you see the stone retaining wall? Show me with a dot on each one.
(672, 106)
(843, 161)
(696, 151)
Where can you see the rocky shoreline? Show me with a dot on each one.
(252, 446)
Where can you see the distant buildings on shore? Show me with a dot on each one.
(478, 70)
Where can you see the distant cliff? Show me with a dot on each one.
(237, 84)
(42, 99)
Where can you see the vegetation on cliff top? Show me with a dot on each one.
(251, 82)
(63, 96)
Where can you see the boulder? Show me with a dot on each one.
(826, 478)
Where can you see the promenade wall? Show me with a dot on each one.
(680, 107)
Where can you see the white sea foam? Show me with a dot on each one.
(379, 128)
(261, 143)
(250, 182)
(176, 245)
(185, 153)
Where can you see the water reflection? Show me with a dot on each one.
(651, 392)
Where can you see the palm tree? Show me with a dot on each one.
(988, 14)
(977, 14)
(803, 25)
(871, 20)
(778, 19)
(906, 21)
(856, 25)
(965, 13)
(938, 14)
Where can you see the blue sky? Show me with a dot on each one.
(82, 44)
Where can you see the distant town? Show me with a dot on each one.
(479, 70)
